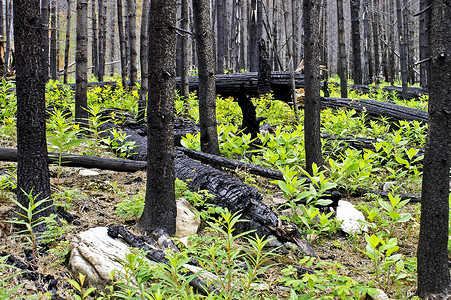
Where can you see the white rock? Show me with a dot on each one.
(87, 172)
(95, 254)
(186, 222)
(347, 213)
(379, 295)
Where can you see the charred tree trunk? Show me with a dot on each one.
(32, 169)
(81, 59)
(102, 39)
(366, 44)
(143, 53)
(132, 40)
(185, 53)
(45, 16)
(207, 90)
(112, 36)
(356, 55)
(221, 44)
(433, 265)
(122, 43)
(95, 40)
(53, 42)
(252, 37)
(160, 209)
(312, 110)
(425, 24)
(402, 47)
(67, 47)
(342, 62)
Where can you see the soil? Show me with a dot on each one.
(93, 203)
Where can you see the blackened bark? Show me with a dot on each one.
(67, 47)
(185, 52)
(425, 23)
(207, 89)
(81, 59)
(264, 69)
(132, 40)
(160, 209)
(252, 37)
(102, 39)
(402, 47)
(45, 17)
(433, 265)
(342, 65)
(122, 43)
(221, 43)
(2, 19)
(375, 27)
(112, 36)
(32, 168)
(312, 109)
(53, 42)
(95, 40)
(366, 44)
(356, 55)
(143, 52)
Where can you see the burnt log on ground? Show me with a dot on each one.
(83, 161)
(412, 92)
(376, 109)
(237, 196)
(228, 85)
(155, 250)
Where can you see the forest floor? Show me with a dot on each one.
(93, 199)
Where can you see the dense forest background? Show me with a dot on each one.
(238, 25)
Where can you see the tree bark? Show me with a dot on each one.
(185, 53)
(122, 43)
(433, 266)
(112, 36)
(95, 40)
(342, 62)
(207, 91)
(32, 168)
(45, 16)
(160, 209)
(355, 28)
(252, 37)
(402, 48)
(312, 109)
(67, 47)
(221, 43)
(132, 40)
(143, 52)
(102, 39)
(53, 42)
(366, 44)
(425, 24)
(81, 59)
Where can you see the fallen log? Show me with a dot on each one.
(229, 84)
(83, 161)
(376, 109)
(412, 92)
(155, 251)
(237, 196)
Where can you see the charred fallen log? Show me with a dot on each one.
(376, 109)
(229, 84)
(84, 161)
(233, 194)
(154, 249)
(412, 92)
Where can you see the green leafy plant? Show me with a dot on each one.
(119, 145)
(131, 207)
(27, 220)
(324, 283)
(81, 293)
(62, 135)
(8, 105)
(6, 291)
